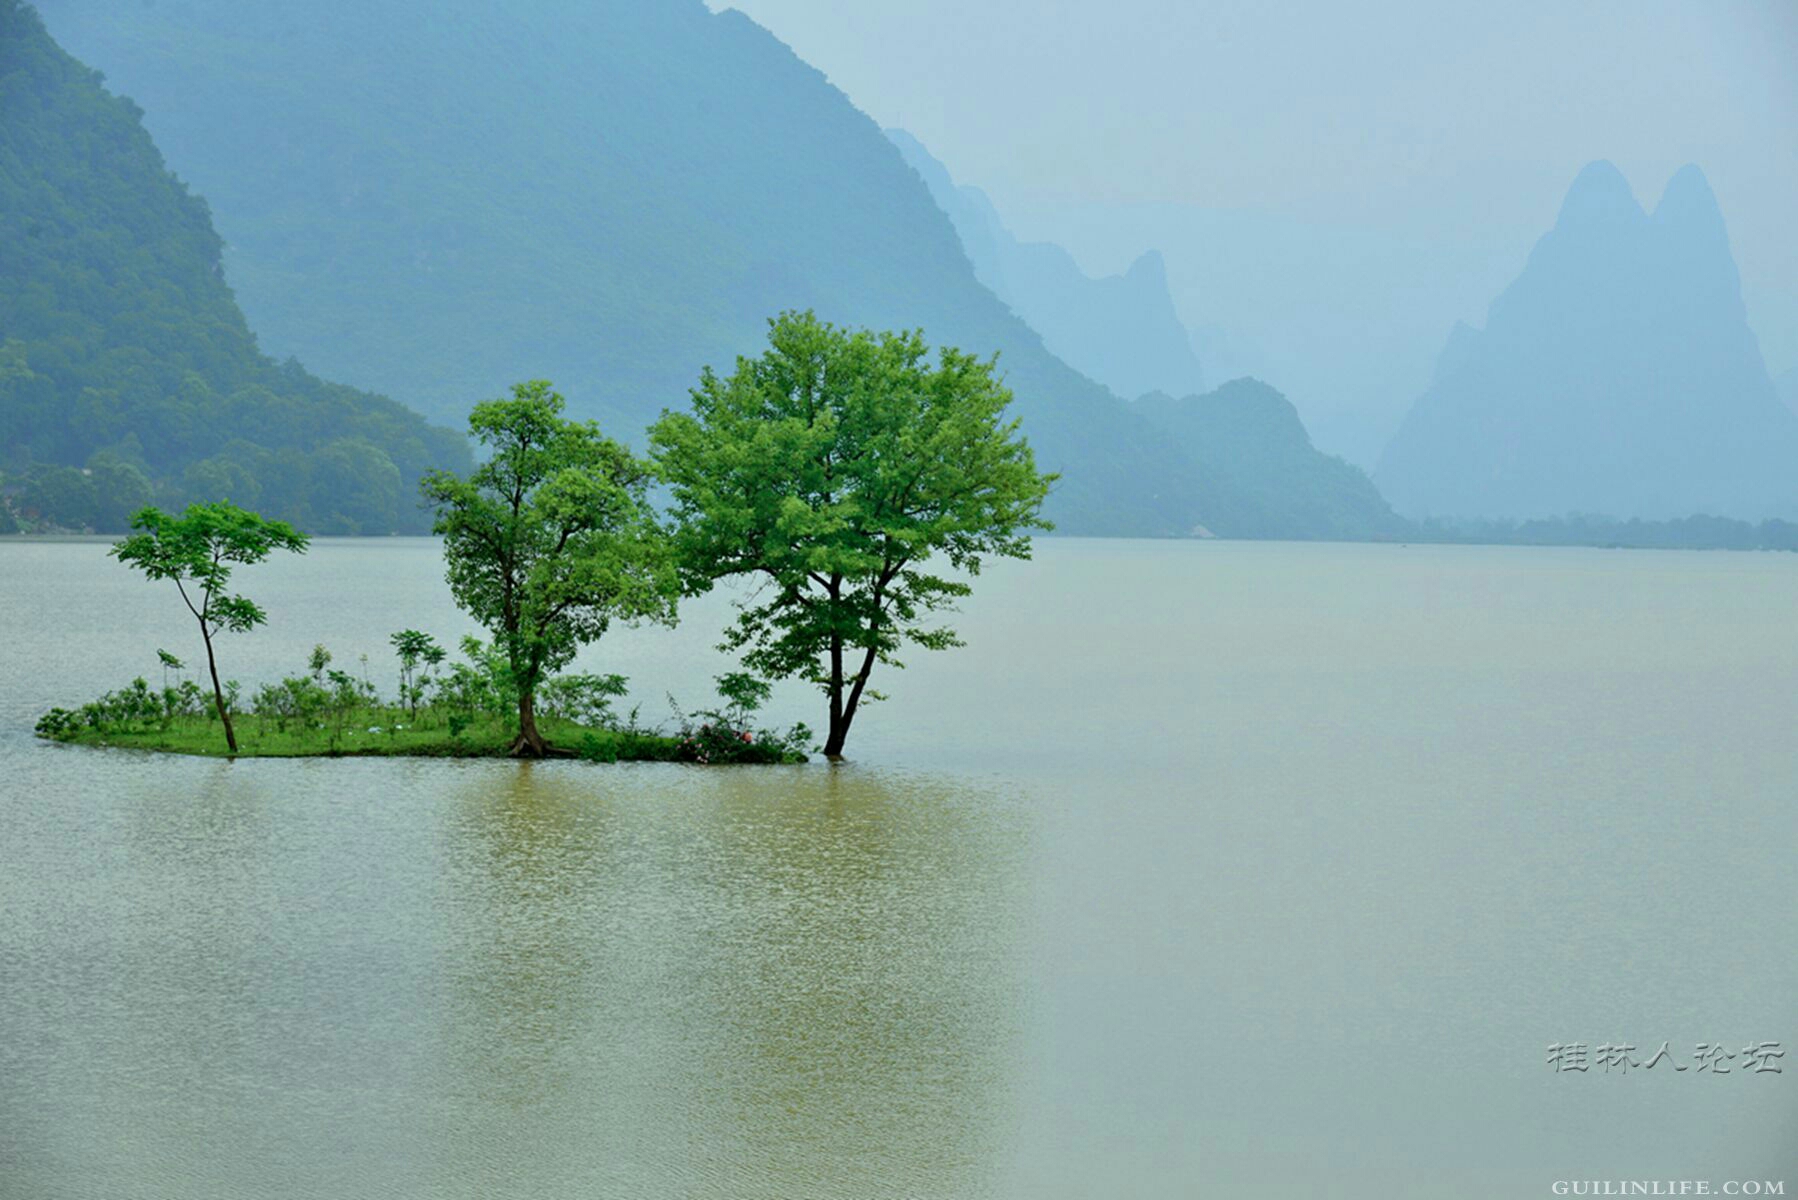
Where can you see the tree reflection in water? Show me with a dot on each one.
(758, 981)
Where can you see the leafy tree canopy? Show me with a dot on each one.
(197, 550)
(549, 540)
(836, 466)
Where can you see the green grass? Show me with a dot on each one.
(395, 733)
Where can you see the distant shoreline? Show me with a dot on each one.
(1717, 534)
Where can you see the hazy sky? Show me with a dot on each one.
(1437, 137)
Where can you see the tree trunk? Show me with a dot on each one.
(839, 731)
(529, 743)
(839, 728)
(842, 715)
(842, 712)
(218, 693)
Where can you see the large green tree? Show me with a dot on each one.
(550, 540)
(197, 550)
(837, 466)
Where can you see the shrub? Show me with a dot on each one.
(585, 699)
(419, 655)
(295, 699)
(59, 723)
(480, 685)
(725, 734)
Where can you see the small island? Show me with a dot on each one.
(389, 736)
(443, 710)
(389, 732)
(831, 469)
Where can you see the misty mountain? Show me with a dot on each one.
(1121, 330)
(1616, 375)
(1259, 474)
(435, 201)
(127, 372)
(1787, 385)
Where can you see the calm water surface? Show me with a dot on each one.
(1205, 870)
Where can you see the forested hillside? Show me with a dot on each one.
(436, 200)
(127, 372)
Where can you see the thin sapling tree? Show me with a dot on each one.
(198, 550)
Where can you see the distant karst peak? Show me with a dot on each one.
(1689, 204)
(1599, 195)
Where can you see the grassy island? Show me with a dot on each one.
(397, 733)
(459, 711)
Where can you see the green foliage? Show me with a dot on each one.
(726, 733)
(380, 730)
(323, 711)
(711, 742)
(296, 699)
(127, 373)
(483, 684)
(837, 465)
(134, 707)
(58, 724)
(743, 693)
(169, 663)
(585, 699)
(549, 540)
(199, 549)
(420, 655)
(298, 716)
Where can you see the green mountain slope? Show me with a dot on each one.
(1258, 474)
(436, 200)
(127, 372)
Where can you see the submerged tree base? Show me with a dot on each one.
(396, 733)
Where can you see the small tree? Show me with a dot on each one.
(198, 550)
(550, 540)
(416, 650)
(836, 465)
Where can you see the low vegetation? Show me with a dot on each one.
(462, 709)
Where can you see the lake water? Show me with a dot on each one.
(1205, 869)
